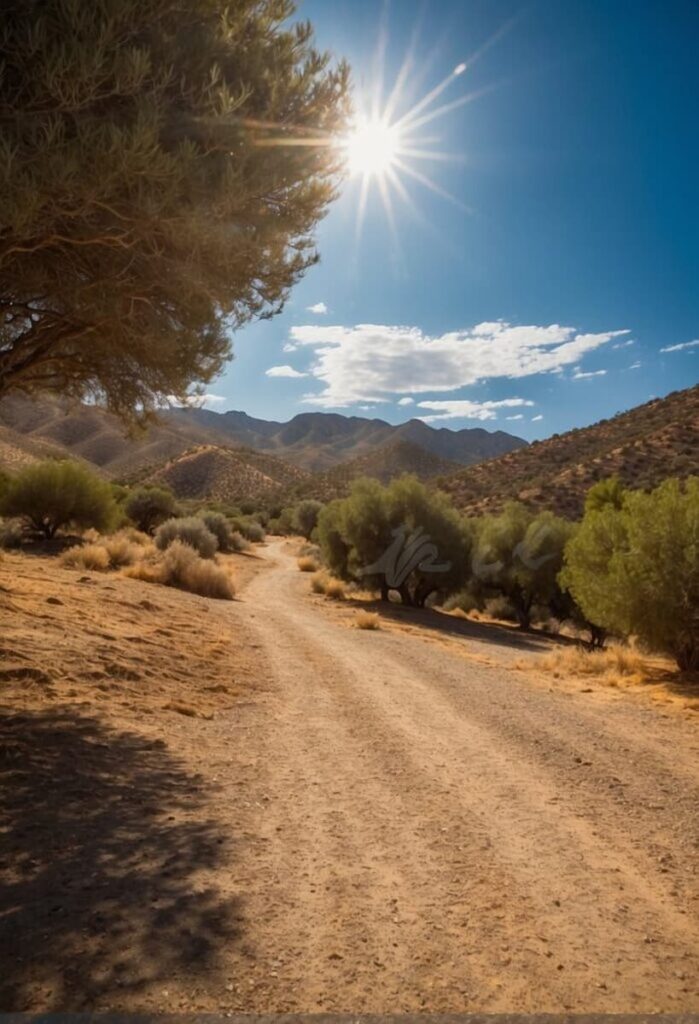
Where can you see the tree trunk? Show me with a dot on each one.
(405, 595)
(384, 590)
(687, 657)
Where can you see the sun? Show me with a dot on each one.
(372, 147)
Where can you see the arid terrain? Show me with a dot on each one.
(256, 806)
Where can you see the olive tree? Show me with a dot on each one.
(51, 495)
(635, 569)
(306, 516)
(147, 507)
(519, 554)
(163, 164)
(401, 538)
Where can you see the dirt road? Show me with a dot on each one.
(431, 833)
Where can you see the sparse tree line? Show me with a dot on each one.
(142, 530)
(630, 567)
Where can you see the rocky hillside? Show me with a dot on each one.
(384, 463)
(642, 446)
(226, 474)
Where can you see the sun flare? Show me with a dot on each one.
(372, 147)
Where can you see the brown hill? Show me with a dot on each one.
(225, 474)
(643, 447)
(384, 463)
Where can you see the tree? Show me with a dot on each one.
(400, 538)
(635, 569)
(51, 495)
(163, 164)
(147, 507)
(519, 554)
(605, 492)
(306, 516)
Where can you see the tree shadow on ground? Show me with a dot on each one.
(499, 634)
(106, 849)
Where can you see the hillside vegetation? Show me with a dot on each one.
(642, 447)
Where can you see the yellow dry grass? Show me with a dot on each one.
(611, 664)
(367, 620)
(181, 567)
(307, 564)
(335, 589)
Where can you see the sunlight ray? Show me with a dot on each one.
(432, 185)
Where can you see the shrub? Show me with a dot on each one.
(635, 570)
(335, 589)
(307, 564)
(54, 494)
(190, 531)
(86, 556)
(11, 533)
(238, 543)
(367, 620)
(319, 582)
(122, 550)
(183, 568)
(305, 518)
(148, 507)
(218, 525)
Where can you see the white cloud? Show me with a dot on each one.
(679, 348)
(196, 401)
(406, 401)
(284, 371)
(370, 361)
(636, 365)
(535, 419)
(519, 416)
(464, 409)
(319, 308)
(580, 375)
(289, 347)
(624, 344)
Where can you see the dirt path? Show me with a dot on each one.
(432, 834)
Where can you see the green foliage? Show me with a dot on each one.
(218, 525)
(605, 492)
(250, 529)
(147, 507)
(519, 555)
(54, 494)
(306, 517)
(635, 569)
(401, 537)
(150, 200)
(191, 531)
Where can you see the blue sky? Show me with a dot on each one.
(575, 215)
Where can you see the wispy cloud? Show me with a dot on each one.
(284, 371)
(464, 409)
(319, 308)
(581, 375)
(682, 346)
(518, 416)
(625, 344)
(636, 365)
(535, 419)
(196, 401)
(406, 401)
(370, 361)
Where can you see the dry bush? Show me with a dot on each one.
(610, 664)
(367, 620)
(335, 589)
(183, 568)
(190, 531)
(122, 551)
(136, 536)
(307, 564)
(319, 582)
(11, 533)
(459, 613)
(86, 556)
(237, 543)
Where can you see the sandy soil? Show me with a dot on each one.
(391, 820)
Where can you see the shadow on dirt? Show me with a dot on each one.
(105, 836)
(497, 633)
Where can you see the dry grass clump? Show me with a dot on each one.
(307, 564)
(86, 556)
(367, 620)
(319, 582)
(183, 568)
(103, 553)
(335, 589)
(610, 664)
